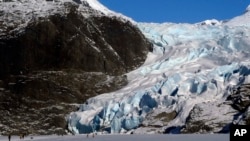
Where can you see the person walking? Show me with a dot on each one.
(9, 136)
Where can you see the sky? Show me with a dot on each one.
(177, 11)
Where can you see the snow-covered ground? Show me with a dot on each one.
(242, 20)
(194, 137)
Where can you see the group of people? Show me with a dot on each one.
(21, 136)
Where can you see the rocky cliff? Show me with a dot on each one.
(57, 56)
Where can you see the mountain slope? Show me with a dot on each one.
(190, 83)
(54, 54)
(242, 20)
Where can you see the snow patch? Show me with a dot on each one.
(243, 20)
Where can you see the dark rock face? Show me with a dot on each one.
(100, 44)
(204, 120)
(37, 103)
(240, 98)
(158, 120)
(240, 101)
(59, 61)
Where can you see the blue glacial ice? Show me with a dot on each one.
(188, 62)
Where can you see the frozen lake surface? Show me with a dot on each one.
(180, 137)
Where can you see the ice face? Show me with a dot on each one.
(190, 64)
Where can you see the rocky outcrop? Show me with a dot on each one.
(100, 44)
(240, 101)
(240, 98)
(159, 118)
(59, 60)
(204, 119)
(37, 103)
(235, 110)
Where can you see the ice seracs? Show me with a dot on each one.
(192, 64)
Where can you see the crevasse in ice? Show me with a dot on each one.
(190, 64)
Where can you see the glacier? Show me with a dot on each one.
(191, 64)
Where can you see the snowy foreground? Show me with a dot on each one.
(194, 137)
